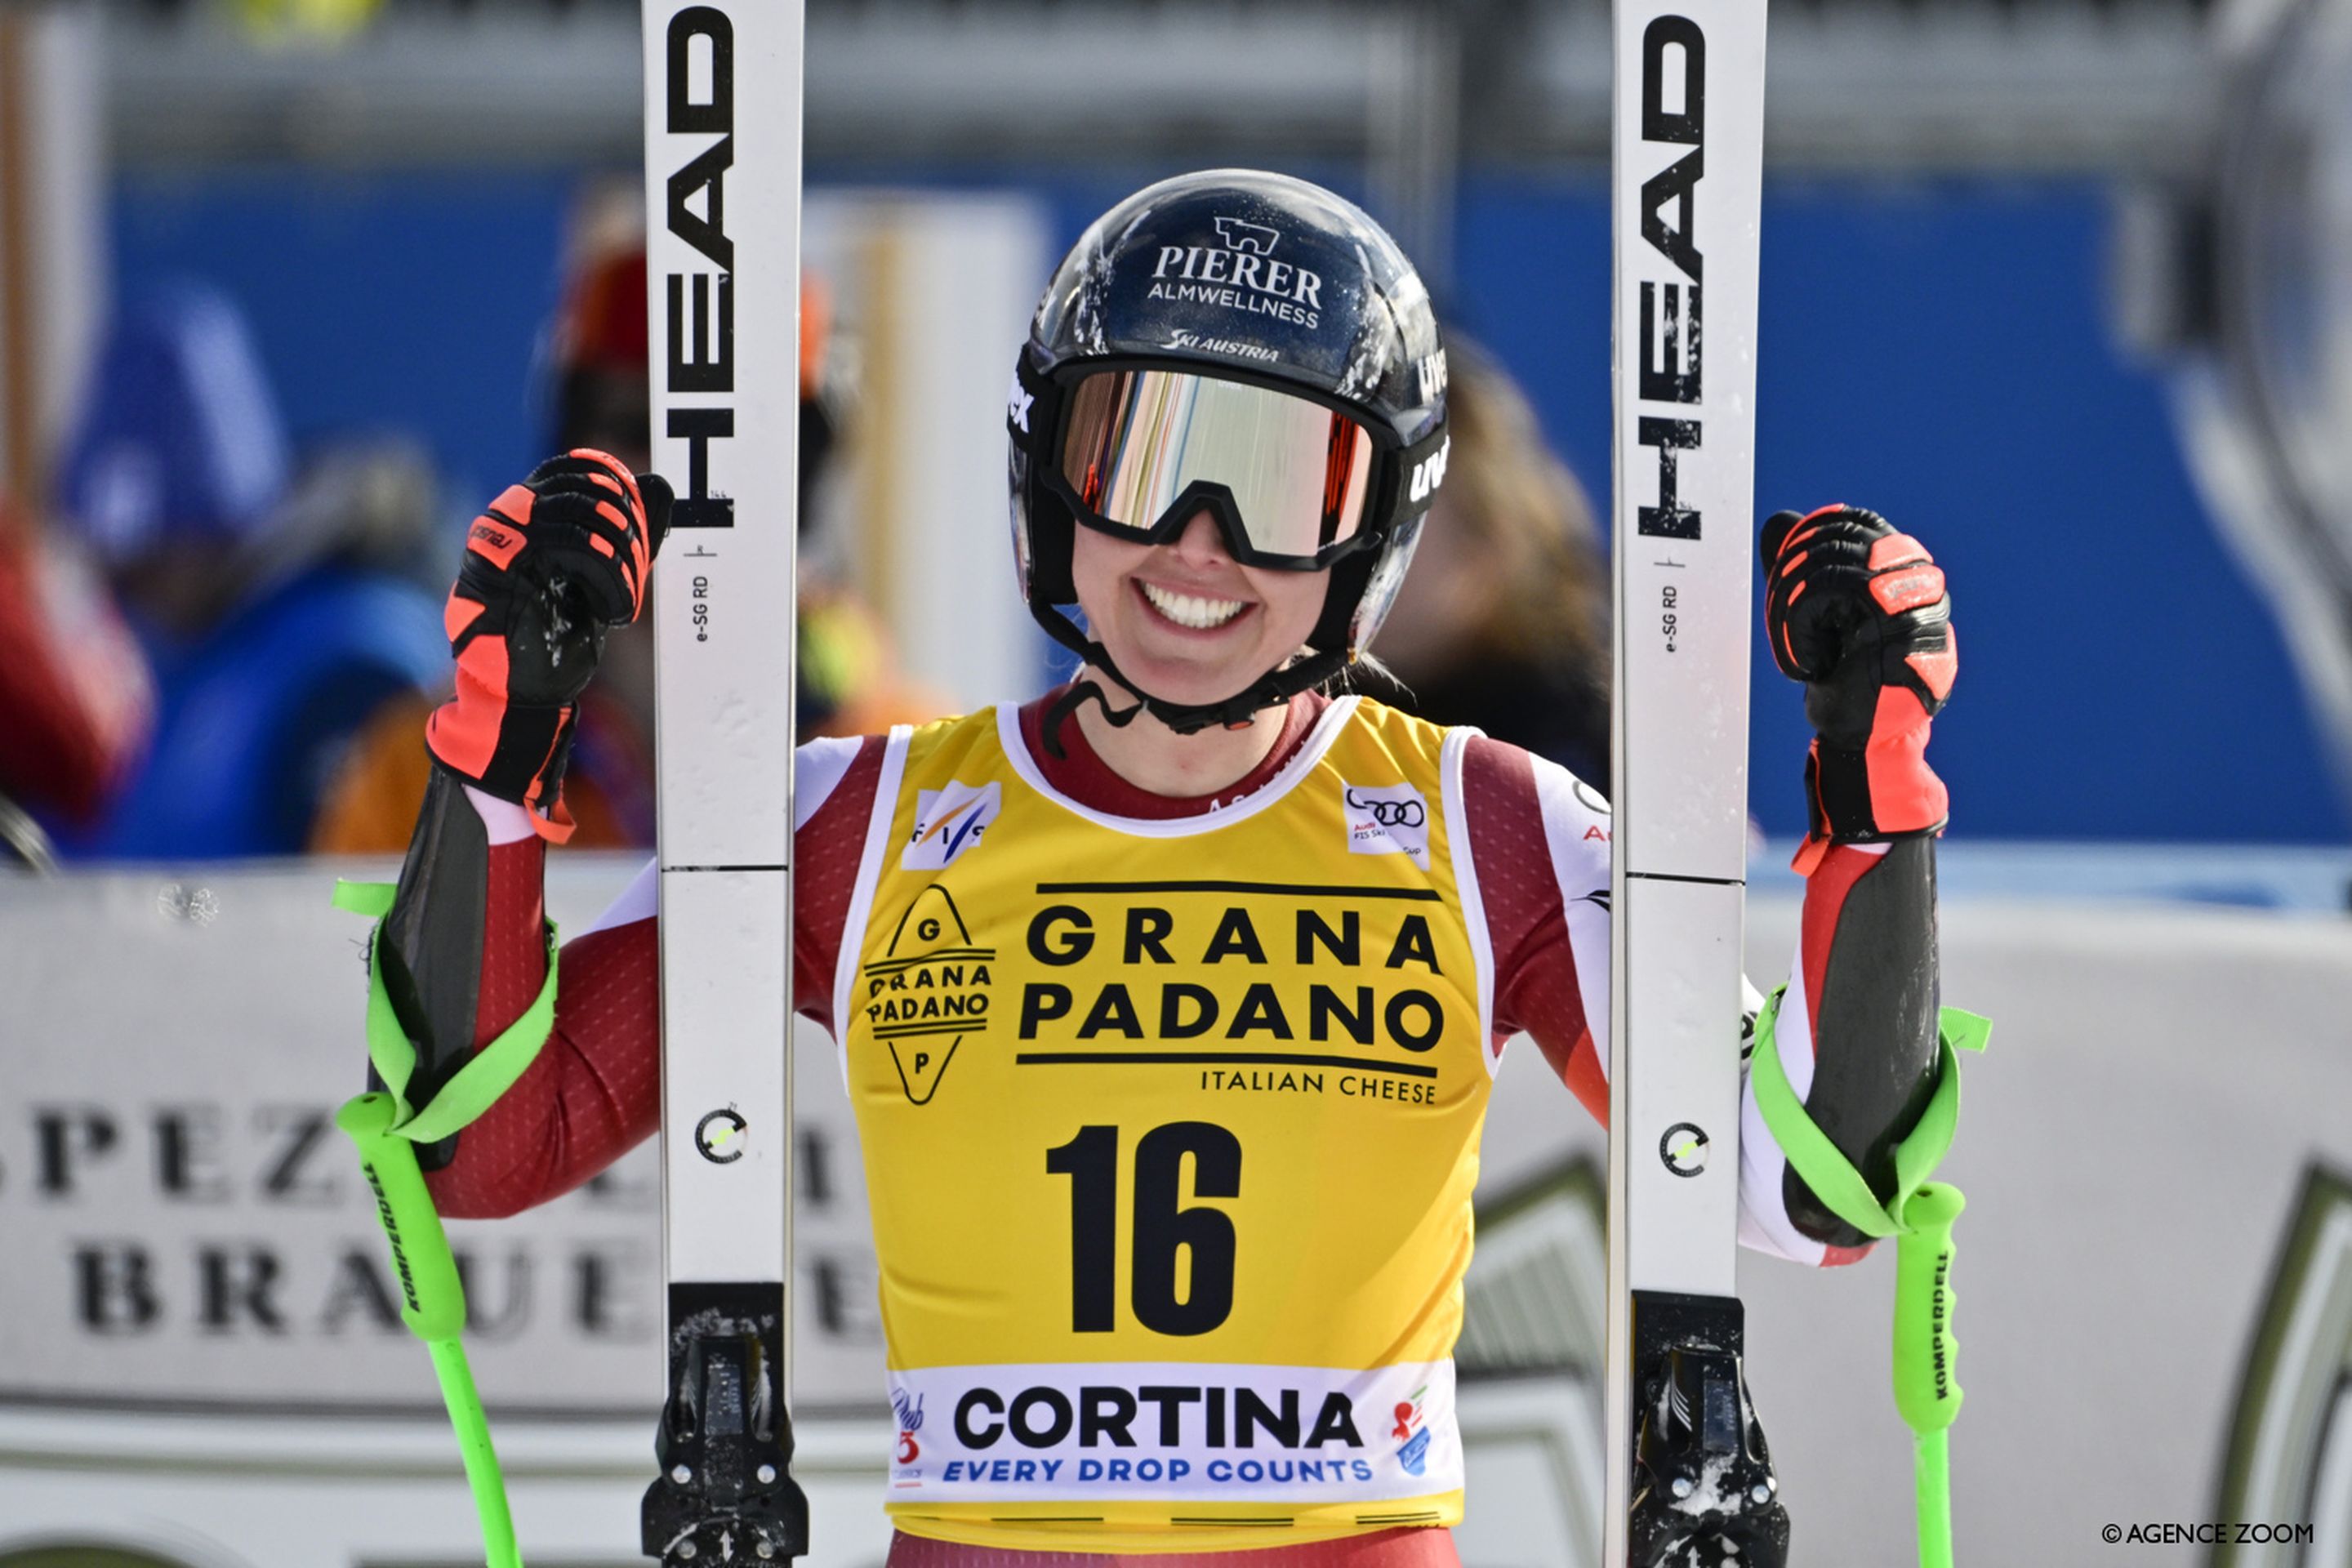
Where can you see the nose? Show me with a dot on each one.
(1202, 543)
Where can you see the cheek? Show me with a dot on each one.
(1293, 601)
(1097, 563)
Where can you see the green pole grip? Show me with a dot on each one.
(433, 1302)
(1926, 1358)
(1926, 1377)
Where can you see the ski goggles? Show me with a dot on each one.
(1288, 480)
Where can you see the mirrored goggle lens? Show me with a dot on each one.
(1296, 470)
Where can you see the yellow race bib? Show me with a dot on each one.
(1170, 1130)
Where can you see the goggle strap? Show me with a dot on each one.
(1037, 404)
(1421, 468)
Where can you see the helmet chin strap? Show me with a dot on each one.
(1272, 689)
(1081, 693)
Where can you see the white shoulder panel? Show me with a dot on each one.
(1764, 1222)
(638, 902)
(1577, 827)
(817, 770)
(1465, 888)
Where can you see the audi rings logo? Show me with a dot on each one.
(1389, 813)
(1387, 820)
(719, 1137)
(1683, 1149)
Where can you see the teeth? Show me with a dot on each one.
(1190, 610)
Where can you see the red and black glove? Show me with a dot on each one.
(1858, 613)
(555, 562)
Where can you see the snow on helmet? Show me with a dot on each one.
(1258, 279)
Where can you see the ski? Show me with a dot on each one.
(1690, 1482)
(722, 131)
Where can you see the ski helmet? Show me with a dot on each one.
(1252, 280)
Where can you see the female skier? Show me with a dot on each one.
(1171, 1001)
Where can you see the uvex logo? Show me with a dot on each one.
(1669, 360)
(1430, 472)
(1429, 375)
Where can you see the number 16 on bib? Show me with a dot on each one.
(1690, 1482)
(722, 279)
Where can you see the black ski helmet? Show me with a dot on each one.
(1254, 277)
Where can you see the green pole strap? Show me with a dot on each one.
(1920, 1215)
(386, 1130)
(486, 1075)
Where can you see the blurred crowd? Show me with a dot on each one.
(218, 643)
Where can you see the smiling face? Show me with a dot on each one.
(1185, 621)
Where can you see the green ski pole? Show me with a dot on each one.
(1920, 1217)
(433, 1302)
(386, 1131)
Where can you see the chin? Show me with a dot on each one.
(1188, 684)
(1185, 693)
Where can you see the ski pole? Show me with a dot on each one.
(1927, 1383)
(1920, 1217)
(433, 1302)
(386, 1130)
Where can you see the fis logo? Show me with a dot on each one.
(948, 821)
(1430, 472)
(1390, 820)
(1254, 237)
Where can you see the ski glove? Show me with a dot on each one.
(1858, 613)
(555, 562)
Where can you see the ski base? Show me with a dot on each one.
(1704, 1494)
(726, 1495)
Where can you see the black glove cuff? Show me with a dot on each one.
(1837, 799)
(527, 767)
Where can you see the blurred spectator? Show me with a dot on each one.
(275, 616)
(1503, 621)
(848, 683)
(76, 705)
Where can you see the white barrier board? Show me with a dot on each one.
(223, 1385)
